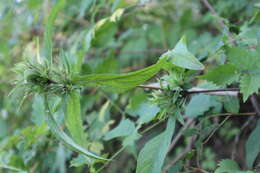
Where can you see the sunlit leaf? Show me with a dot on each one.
(181, 57)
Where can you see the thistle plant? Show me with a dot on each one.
(80, 113)
(62, 79)
(42, 78)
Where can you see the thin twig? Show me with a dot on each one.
(233, 114)
(214, 13)
(234, 150)
(152, 126)
(114, 104)
(180, 133)
(187, 149)
(219, 20)
(177, 158)
(112, 157)
(213, 132)
(220, 92)
(150, 86)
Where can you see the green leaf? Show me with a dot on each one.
(80, 160)
(152, 155)
(84, 6)
(63, 137)
(147, 112)
(74, 121)
(222, 75)
(243, 59)
(49, 30)
(253, 146)
(198, 105)
(181, 57)
(38, 112)
(119, 82)
(129, 140)
(107, 65)
(139, 105)
(133, 107)
(139, 43)
(125, 128)
(249, 84)
(227, 166)
(231, 104)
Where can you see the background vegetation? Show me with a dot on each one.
(216, 106)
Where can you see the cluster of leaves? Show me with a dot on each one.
(74, 71)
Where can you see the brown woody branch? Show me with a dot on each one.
(255, 104)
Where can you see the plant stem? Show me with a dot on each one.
(233, 114)
(255, 104)
(236, 141)
(213, 132)
(195, 90)
(178, 136)
(187, 149)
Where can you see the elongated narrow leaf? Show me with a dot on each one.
(49, 30)
(181, 57)
(119, 82)
(253, 146)
(69, 142)
(151, 157)
(74, 121)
